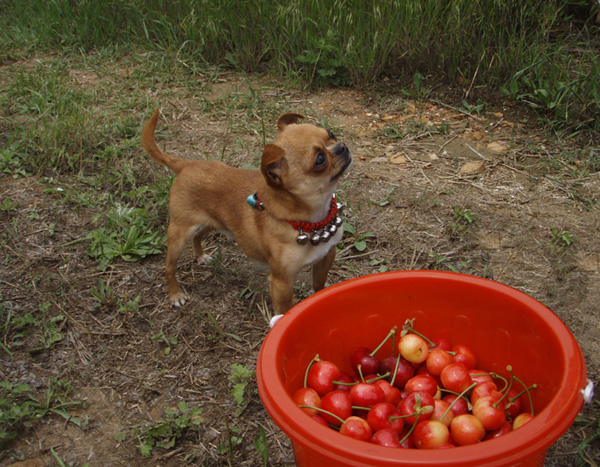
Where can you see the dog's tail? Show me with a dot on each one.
(151, 147)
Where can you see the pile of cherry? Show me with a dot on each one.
(431, 395)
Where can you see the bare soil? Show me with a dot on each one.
(402, 188)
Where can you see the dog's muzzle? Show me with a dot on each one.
(343, 152)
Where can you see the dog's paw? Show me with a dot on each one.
(178, 299)
(204, 259)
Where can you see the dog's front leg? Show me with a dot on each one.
(282, 290)
(320, 270)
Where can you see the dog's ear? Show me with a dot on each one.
(288, 119)
(273, 165)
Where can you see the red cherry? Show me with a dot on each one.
(514, 405)
(485, 389)
(465, 355)
(391, 394)
(357, 428)
(366, 395)
(343, 378)
(321, 376)
(368, 363)
(307, 396)
(441, 410)
(506, 427)
(430, 434)
(317, 418)
(459, 407)
(521, 420)
(386, 437)
(489, 412)
(378, 417)
(409, 406)
(421, 383)
(437, 360)
(338, 403)
(440, 343)
(404, 372)
(479, 376)
(455, 377)
(466, 429)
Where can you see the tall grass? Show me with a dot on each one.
(493, 44)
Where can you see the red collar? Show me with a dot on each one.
(304, 226)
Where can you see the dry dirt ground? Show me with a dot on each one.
(420, 165)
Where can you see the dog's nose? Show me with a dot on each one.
(341, 149)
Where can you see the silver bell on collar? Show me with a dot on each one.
(315, 239)
(325, 236)
(332, 229)
(338, 221)
(302, 238)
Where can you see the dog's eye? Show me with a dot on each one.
(331, 135)
(321, 159)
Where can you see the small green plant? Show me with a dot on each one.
(240, 377)
(106, 297)
(10, 161)
(359, 241)
(462, 220)
(169, 342)
(8, 205)
(325, 61)
(168, 430)
(233, 439)
(473, 109)
(19, 408)
(420, 91)
(127, 238)
(589, 425)
(261, 445)
(104, 294)
(561, 239)
(50, 331)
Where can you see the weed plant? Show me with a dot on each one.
(516, 45)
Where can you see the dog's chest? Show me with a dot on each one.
(310, 254)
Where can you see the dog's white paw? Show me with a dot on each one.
(204, 259)
(178, 299)
(274, 320)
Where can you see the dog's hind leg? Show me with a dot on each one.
(201, 257)
(176, 241)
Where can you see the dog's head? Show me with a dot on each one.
(305, 160)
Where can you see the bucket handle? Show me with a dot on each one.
(588, 392)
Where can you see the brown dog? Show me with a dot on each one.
(284, 215)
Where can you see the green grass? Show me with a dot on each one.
(513, 45)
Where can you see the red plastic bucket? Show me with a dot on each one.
(502, 325)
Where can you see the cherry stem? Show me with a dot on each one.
(514, 398)
(409, 327)
(323, 411)
(342, 383)
(462, 394)
(392, 333)
(528, 393)
(395, 370)
(359, 368)
(314, 360)
(372, 380)
(497, 376)
(505, 393)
